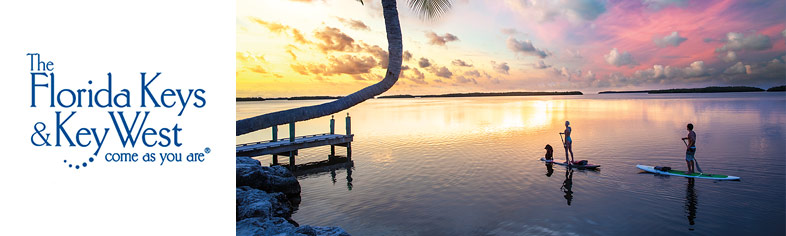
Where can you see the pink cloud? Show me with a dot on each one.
(632, 29)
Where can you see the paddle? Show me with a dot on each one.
(564, 145)
(694, 158)
(563, 141)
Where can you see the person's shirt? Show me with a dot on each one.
(692, 138)
(567, 131)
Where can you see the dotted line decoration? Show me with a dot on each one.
(77, 166)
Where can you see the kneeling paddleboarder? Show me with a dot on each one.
(549, 153)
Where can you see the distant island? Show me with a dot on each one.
(777, 89)
(711, 89)
(632, 91)
(250, 99)
(479, 94)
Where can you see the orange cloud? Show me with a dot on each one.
(332, 39)
(272, 26)
(354, 24)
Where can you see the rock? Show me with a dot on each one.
(321, 231)
(280, 179)
(278, 226)
(306, 230)
(249, 172)
(264, 199)
(252, 202)
(261, 226)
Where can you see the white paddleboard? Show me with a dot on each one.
(686, 175)
(587, 166)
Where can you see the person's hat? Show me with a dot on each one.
(547, 146)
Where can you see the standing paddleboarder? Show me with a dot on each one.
(568, 143)
(691, 151)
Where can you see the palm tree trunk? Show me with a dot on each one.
(393, 29)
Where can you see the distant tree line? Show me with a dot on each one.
(777, 89)
(711, 89)
(479, 94)
(247, 99)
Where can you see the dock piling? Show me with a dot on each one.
(349, 133)
(275, 138)
(292, 139)
(332, 125)
(292, 132)
(332, 131)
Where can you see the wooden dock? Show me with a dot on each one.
(290, 146)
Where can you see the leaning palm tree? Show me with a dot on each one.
(424, 8)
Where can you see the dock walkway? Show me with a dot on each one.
(283, 146)
(290, 146)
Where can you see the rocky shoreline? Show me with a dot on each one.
(265, 200)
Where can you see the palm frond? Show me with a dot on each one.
(430, 9)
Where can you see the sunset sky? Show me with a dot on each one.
(335, 47)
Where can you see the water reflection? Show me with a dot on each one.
(349, 177)
(567, 185)
(690, 202)
(332, 169)
(549, 169)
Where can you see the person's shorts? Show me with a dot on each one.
(689, 155)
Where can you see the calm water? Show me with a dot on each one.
(469, 166)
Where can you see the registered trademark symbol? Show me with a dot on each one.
(207, 150)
